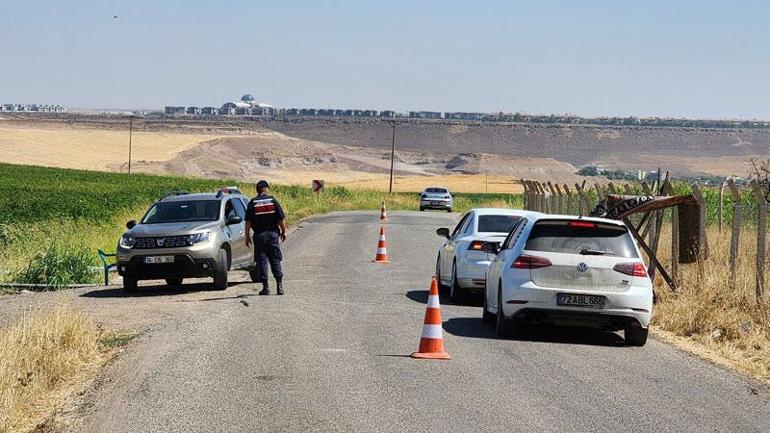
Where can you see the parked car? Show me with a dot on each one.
(568, 270)
(436, 197)
(461, 265)
(184, 236)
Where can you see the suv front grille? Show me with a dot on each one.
(161, 242)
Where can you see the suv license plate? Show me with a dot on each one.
(580, 300)
(159, 259)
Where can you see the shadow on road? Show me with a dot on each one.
(469, 300)
(155, 290)
(474, 327)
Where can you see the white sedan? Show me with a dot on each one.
(461, 265)
(568, 270)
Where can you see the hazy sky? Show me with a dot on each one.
(669, 58)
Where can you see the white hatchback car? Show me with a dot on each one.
(568, 270)
(461, 265)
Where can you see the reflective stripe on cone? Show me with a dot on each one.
(382, 248)
(432, 337)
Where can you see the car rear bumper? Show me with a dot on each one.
(184, 266)
(633, 304)
(436, 204)
(472, 274)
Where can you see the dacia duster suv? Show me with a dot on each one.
(186, 235)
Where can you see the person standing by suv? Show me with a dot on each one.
(265, 216)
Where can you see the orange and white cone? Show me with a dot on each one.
(382, 248)
(383, 214)
(432, 338)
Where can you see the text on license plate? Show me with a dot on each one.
(159, 259)
(580, 300)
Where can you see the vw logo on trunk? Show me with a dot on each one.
(160, 241)
(582, 267)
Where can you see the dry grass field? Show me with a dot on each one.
(710, 318)
(91, 149)
(42, 357)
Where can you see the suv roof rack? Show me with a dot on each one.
(228, 190)
(172, 194)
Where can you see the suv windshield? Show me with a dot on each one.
(581, 237)
(436, 190)
(182, 211)
(497, 223)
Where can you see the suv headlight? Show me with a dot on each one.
(198, 238)
(127, 241)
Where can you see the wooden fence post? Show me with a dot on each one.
(675, 245)
(524, 193)
(541, 202)
(759, 193)
(599, 192)
(721, 205)
(552, 201)
(629, 190)
(703, 252)
(570, 201)
(560, 199)
(735, 239)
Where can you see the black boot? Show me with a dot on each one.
(279, 285)
(265, 289)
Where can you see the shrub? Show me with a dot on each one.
(57, 267)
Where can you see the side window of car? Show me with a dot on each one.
(468, 229)
(460, 225)
(514, 235)
(229, 211)
(240, 210)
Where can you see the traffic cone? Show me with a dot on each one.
(432, 338)
(383, 214)
(382, 248)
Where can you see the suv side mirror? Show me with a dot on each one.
(233, 219)
(443, 232)
(490, 247)
(131, 224)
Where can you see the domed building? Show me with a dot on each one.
(247, 106)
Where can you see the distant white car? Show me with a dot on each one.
(461, 265)
(568, 270)
(436, 197)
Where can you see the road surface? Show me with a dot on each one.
(331, 356)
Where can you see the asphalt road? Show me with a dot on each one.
(332, 355)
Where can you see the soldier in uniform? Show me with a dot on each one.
(265, 216)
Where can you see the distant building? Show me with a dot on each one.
(210, 111)
(194, 111)
(464, 116)
(425, 114)
(175, 111)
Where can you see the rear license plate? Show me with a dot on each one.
(436, 203)
(159, 259)
(580, 300)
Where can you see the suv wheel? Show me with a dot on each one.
(174, 282)
(422, 209)
(449, 210)
(455, 291)
(636, 335)
(130, 285)
(220, 273)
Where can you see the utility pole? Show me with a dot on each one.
(393, 124)
(130, 132)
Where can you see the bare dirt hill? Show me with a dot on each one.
(720, 151)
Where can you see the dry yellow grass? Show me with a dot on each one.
(727, 324)
(41, 356)
(91, 149)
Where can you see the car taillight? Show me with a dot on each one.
(530, 262)
(633, 269)
(581, 224)
(476, 245)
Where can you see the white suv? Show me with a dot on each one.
(568, 270)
